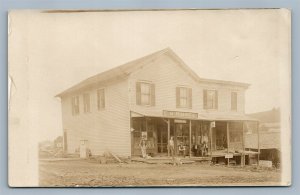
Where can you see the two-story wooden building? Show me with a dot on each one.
(155, 97)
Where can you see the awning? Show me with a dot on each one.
(201, 116)
(223, 117)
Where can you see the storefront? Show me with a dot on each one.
(192, 137)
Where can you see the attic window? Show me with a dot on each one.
(75, 105)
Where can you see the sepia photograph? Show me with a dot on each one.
(132, 98)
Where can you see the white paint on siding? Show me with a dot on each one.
(166, 76)
(110, 128)
(104, 129)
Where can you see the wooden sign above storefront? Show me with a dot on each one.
(229, 155)
(179, 121)
(178, 114)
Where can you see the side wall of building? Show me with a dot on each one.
(103, 129)
(166, 76)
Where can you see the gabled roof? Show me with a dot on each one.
(123, 71)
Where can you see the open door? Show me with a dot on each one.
(162, 139)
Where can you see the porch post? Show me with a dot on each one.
(227, 131)
(146, 124)
(190, 148)
(258, 146)
(131, 135)
(243, 142)
(210, 137)
(168, 137)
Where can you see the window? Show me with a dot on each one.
(145, 93)
(100, 99)
(75, 105)
(210, 99)
(234, 101)
(183, 97)
(86, 102)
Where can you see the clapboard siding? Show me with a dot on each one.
(167, 75)
(110, 128)
(104, 129)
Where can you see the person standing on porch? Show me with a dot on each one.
(143, 146)
(171, 147)
(205, 143)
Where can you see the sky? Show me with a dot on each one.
(62, 49)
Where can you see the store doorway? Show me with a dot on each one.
(221, 135)
(162, 139)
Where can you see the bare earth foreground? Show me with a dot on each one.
(82, 173)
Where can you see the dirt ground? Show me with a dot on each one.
(82, 173)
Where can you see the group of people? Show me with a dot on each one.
(198, 149)
(201, 149)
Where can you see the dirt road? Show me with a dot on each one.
(84, 173)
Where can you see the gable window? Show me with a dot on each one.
(210, 99)
(145, 93)
(100, 99)
(234, 101)
(183, 97)
(86, 102)
(75, 105)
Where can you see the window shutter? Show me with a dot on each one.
(216, 99)
(190, 95)
(98, 99)
(234, 101)
(103, 98)
(205, 99)
(177, 97)
(138, 93)
(78, 105)
(72, 105)
(152, 94)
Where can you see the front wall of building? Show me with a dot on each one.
(103, 129)
(166, 76)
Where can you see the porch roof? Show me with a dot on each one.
(205, 117)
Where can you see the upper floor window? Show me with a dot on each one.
(86, 102)
(234, 101)
(145, 93)
(183, 97)
(210, 99)
(75, 105)
(100, 99)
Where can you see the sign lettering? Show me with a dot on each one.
(180, 114)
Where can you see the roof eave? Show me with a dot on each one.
(222, 82)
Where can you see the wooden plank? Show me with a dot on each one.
(115, 156)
